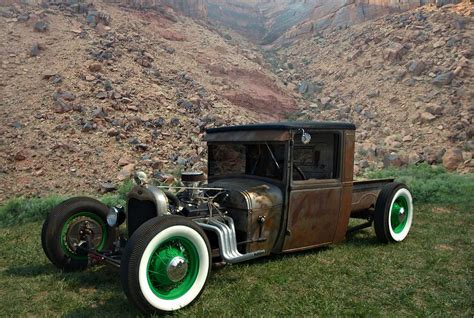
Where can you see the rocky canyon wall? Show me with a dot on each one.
(245, 17)
(322, 15)
(270, 21)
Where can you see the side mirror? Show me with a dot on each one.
(305, 137)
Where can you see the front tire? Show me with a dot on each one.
(61, 232)
(393, 213)
(165, 265)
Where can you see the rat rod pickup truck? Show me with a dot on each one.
(270, 188)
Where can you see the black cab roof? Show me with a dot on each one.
(286, 125)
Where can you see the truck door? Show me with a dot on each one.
(315, 190)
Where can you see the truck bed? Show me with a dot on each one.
(364, 196)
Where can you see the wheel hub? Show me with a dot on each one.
(170, 266)
(401, 214)
(177, 269)
(82, 230)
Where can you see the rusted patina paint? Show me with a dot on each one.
(306, 213)
(312, 217)
(256, 207)
(348, 154)
(364, 196)
(362, 201)
(347, 177)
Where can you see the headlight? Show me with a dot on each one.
(116, 216)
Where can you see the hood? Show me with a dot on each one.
(249, 194)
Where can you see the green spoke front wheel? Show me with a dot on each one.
(173, 268)
(165, 264)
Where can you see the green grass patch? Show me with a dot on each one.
(429, 274)
(22, 210)
(433, 184)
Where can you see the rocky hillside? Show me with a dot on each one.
(405, 80)
(88, 92)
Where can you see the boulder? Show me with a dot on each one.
(433, 156)
(113, 132)
(61, 107)
(440, 3)
(35, 50)
(452, 159)
(41, 26)
(426, 117)
(126, 172)
(95, 67)
(394, 52)
(101, 95)
(443, 79)
(393, 160)
(49, 74)
(416, 67)
(439, 44)
(106, 187)
(21, 155)
(123, 161)
(414, 158)
(435, 109)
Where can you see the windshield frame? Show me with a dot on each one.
(283, 166)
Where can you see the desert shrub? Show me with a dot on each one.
(433, 184)
(21, 210)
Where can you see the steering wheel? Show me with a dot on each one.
(300, 172)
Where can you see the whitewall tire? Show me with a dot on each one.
(166, 264)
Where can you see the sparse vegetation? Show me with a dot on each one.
(21, 210)
(433, 184)
(428, 274)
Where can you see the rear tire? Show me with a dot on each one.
(165, 265)
(61, 230)
(393, 213)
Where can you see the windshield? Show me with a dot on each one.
(262, 159)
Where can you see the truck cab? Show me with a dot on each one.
(307, 168)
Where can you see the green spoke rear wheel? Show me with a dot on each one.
(393, 213)
(78, 221)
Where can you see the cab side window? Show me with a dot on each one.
(319, 159)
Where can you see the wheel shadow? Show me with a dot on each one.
(102, 280)
(107, 308)
(360, 239)
(92, 277)
(31, 270)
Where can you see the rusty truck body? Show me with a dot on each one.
(270, 188)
